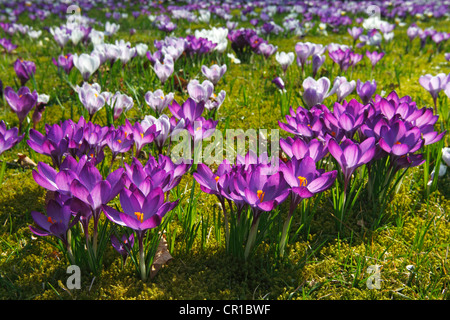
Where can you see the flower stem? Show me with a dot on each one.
(69, 247)
(251, 237)
(142, 258)
(286, 226)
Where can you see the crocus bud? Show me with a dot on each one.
(214, 73)
(366, 90)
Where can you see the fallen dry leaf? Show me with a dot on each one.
(162, 257)
(25, 162)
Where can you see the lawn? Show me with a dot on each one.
(372, 226)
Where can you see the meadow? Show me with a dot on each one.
(114, 123)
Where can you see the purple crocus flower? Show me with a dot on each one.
(299, 148)
(374, 57)
(146, 180)
(355, 58)
(413, 31)
(303, 123)
(208, 179)
(91, 98)
(157, 101)
(167, 27)
(262, 192)
(317, 62)
(316, 91)
(200, 92)
(120, 103)
(346, 119)
(438, 37)
(124, 245)
(279, 83)
(201, 128)
(434, 85)
(366, 90)
(341, 58)
(165, 69)
(89, 191)
(215, 101)
(7, 45)
(57, 221)
(141, 137)
(267, 49)
(304, 50)
(54, 143)
(140, 213)
(65, 62)
(343, 88)
(164, 127)
(52, 180)
(8, 137)
(304, 179)
(351, 155)
(118, 141)
(355, 32)
(398, 140)
(214, 73)
(93, 142)
(189, 110)
(24, 70)
(165, 164)
(21, 102)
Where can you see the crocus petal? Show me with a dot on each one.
(113, 215)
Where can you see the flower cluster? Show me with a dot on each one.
(244, 41)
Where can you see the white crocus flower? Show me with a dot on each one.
(87, 64)
(141, 49)
(76, 36)
(285, 59)
(233, 58)
(111, 28)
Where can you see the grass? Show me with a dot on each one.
(321, 261)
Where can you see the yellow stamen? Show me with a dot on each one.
(92, 155)
(119, 141)
(303, 181)
(398, 142)
(142, 135)
(216, 178)
(260, 195)
(139, 216)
